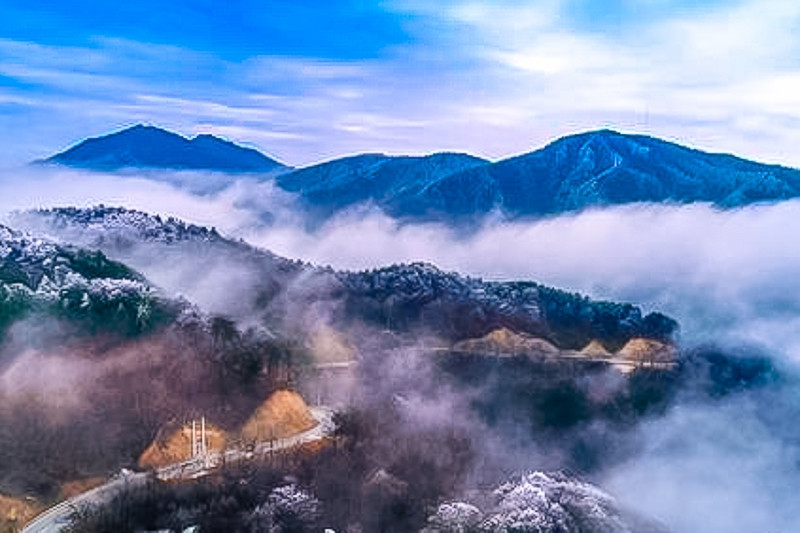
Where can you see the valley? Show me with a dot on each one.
(334, 363)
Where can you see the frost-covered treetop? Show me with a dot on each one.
(121, 222)
(40, 263)
(39, 275)
(287, 508)
(16, 245)
(554, 503)
(537, 502)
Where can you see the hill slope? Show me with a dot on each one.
(377, 178)
(256, 283)
(150, 147)
(603, 168)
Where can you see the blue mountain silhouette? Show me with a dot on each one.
(143, 146)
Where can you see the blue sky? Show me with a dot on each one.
(307, 81)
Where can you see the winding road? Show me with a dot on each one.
(200, 466)
(57, 518)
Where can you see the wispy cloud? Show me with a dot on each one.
(492, 78)
(713, 76)
(269, 68)
(199, 109)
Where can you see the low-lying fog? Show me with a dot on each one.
(726, 275)
(730, 277)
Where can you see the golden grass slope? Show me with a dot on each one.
(641, 350)
(595, 349)
(504, 341)
(174, 445)
(16, 512)
(283, 414)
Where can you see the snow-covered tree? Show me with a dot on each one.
(454, 517)
(553, 503)
(287, 509)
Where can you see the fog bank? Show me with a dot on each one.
(725, 275)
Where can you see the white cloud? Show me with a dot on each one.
(716, 468)
(68, 57)
(714, 76)
(200, 109)
(266, 68)
(726, 275)
(490, 78)
(34, 188)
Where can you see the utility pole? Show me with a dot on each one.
(194, 439)
(199, 439)
(203, 444)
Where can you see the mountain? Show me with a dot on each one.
(597, 168)
(377, 178)
(592, 169)
(602, 168)
(408, 296)
(148, 147)
(232, 278)
(221, 275)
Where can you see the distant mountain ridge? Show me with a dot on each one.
(148, 147)
(592, 169)
(377, 178)
(603, 168)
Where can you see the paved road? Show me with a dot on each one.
(57, 517)
(202, 466)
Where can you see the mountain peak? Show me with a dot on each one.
(601, 168)
(145, 146)
(596, 137)
(141, 129)
(146, 127)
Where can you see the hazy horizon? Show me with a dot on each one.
(306, 83)
(422, 153)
